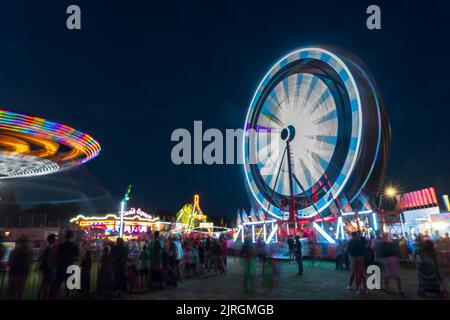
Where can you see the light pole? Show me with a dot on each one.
(123, 204)
(389, 192)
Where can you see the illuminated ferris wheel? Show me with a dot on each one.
(315, 131)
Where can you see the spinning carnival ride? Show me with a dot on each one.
(31, 146)
(317, 136)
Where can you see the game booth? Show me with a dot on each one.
(136, 224)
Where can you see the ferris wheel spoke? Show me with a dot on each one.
(323, 163)
(329, 116)
(277, 176)
(329, 139)
(308, 197)
(280, 92)
(272, 118)
(307, 173)
(312, 89)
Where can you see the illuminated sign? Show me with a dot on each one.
(417, 199)
(206, 225)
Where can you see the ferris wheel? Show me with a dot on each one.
(315, 130)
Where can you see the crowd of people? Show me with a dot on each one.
(386, 252)
(156, 262)
(150, 263)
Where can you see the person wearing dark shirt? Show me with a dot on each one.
(357, 251)
(119, 255)
(291, 245)
(67, 254)
(298, 255)
(47, 267)
(105, 277)
(19, 267)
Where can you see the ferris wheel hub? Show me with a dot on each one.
(288, 133)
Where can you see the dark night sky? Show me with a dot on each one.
(138, 70)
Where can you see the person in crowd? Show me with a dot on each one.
(248, 259)
(312, 249)
(223, 243)
(67, 254)
(196, 259)
(189, 263)
(291, 247)
(369, 258)
(268, 271)
(2, 265)
(298, 255)
(404, 254)
(217, 257)
(261, 250)
(2, 251)
(47, 267)
(133, 278)
(390, 262)
(178, 257)
(143, 265)
(339, 254)
(19, 267)
(156, 260)
(210, 263)
(446, 239)
(165, 255)
(356, 250)
(429, 277)
(201, 257)
(437, 236)
(105, 277)
(86, 267)
(119, 255)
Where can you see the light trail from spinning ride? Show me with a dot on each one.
(31, 146)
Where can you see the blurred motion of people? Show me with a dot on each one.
(119, 255)
(86, 267)
(156, 248)
(67, 254)
(47, 267)
(429, 277)
(105, 277)
(248, 260)
(19, 266)
(357, 251)
(389, 257)
(291, 245)
(298, 255)
(143, 265)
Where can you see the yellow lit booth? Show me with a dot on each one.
(137, 223)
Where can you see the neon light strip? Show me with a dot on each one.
(359, 213)
(338, 227)
(272, 233)
(323, 233)
(375, 225)
(257, 222)
(43, 128)
(237, 233)
(113, 216)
